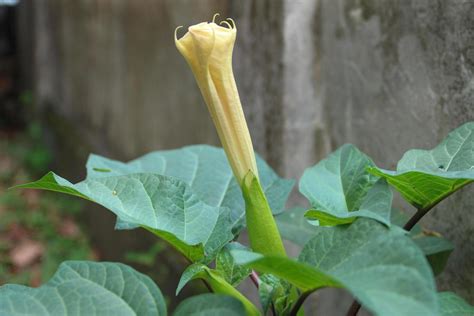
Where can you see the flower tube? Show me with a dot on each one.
(207, 47)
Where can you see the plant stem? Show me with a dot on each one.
(355, 307)
(416, 218)
(274, 313)
(254, 278)
(299, 303)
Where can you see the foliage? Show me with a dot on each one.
(99, 289)
(426, 177)
(189, 198)
(200, 198)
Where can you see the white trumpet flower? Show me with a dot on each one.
(207, 47)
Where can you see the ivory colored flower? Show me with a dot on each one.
(207, 47)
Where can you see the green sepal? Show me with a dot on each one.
(262, 230)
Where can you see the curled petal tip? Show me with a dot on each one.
(232, 21)
(176, 32)
(227, 24)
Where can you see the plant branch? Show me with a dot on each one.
(299, 303)
(354, 309)
(416, 218)
(254, 278)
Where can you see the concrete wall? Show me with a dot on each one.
(385, 75)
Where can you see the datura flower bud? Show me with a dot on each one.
(207, 47)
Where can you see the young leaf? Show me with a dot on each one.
(280, 293)
(340, 189)
(210, 305)
(217, 283)
(86, 288)
(162, 204)
(233, 273)
(380, 266)
(425, 177)
(453, 305)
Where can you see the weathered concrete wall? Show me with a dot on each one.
(385, 75)
(397, 75)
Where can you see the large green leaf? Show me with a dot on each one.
(295, 227)
(210, 305)
(340, 189)
(380, 266)
(453, 305)
(164, 205)
(425, 177)
(206, 170)
(187, 196)
(435, 247)
(86, 288)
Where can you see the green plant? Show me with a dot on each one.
(200, 198)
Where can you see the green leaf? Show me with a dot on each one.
(304, 276)
(340, 189)
(380, 266)
(187, 196)
(262, 230)
(426, 177)
(216, 282)
(86, 288)
(206, 170)
(436, 248)
(164, 205)
(210, 305)
(233, 273)
(274, 290)
(192, 272)
(453, 305)
(293, 226)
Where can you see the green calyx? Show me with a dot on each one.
(262, 229)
